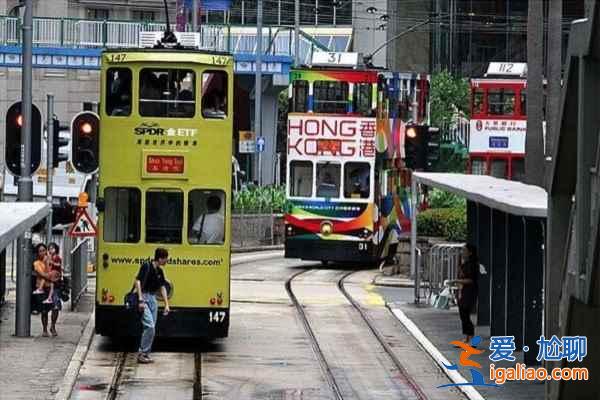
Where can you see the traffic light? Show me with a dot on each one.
(58, 142)
(433, 147)
(85, 132)
(415, 146)
(12, 148)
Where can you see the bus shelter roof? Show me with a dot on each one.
(17, 218)
(509, 196)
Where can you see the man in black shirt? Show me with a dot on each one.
(150, 280)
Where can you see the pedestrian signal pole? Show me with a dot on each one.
(49, 160)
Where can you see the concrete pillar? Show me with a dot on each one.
(498, 274)
(485, 258)
(533, 280)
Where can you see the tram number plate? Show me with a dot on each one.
(118, 57)
(362, 246)
(216, 316)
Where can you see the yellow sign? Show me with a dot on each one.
(247, 142)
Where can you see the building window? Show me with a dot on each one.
(96, 13)
(143, 15)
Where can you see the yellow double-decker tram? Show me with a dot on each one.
(165, 181)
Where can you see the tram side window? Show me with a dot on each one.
(214, 94)
(523, 102)
(164, 216)
(357, 180)
(122, 215)
(478, 101)
(167, 93)
(118, 92)
(328, 180)
(501, 102)
(206, 213)
(330, 97)
(301, 178)
(362, 99)
(300, 96)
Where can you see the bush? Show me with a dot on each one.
(260, 200)
(450, 223)
(442, 199)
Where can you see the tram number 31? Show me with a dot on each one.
(216, 316)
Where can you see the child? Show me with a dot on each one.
(54, 269)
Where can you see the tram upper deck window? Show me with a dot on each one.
(167, 93)
(330, 97)
(164, 216)
(118, 92)
(362, 99)
(122, 215)
(214, 94)
(478, 101)
(299, 97)
(357, 180)
(501, 102)
(206, 217)
(523, 102)
(301, 178)
(328, 180)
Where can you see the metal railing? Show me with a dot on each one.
(252, 229)
(82, 33)
(457, 131)
(443, 263)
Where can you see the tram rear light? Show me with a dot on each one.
(165, 164)
(212, 301)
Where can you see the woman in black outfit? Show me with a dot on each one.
(467, 293)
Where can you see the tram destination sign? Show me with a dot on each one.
(497, 135)
(323, 135)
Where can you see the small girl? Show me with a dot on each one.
(54, 269)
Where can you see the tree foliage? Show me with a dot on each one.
(449, 94)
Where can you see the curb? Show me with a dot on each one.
(72, 372)
(470, 392)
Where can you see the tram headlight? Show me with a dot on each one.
(289, 230)
(326, 228)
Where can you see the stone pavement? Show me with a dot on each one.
(443, 326)
(33, 368)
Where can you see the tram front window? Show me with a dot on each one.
(478, 101)
(299, 101)
(118, 92)
(330, 97)
(164, 216)
(167, 93)
(214, 94)
(501, 102)
(357, 180)
(206, 217)
(122, 215)
(362, 99)
(301, 178)
(328, 180)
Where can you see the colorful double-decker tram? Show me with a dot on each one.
(165, 181)
(499, 121)
(346, 190)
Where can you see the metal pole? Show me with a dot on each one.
(258, 84)
(297, 33)
(195, 6)
(49, 160)
(413, 227)
(23, 311)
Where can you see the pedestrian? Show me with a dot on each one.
(41, 268)
(467, 292)
(209, 228)
(150, 280)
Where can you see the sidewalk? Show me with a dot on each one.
(441, 327)
(33, 368)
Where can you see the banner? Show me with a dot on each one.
(211, 5)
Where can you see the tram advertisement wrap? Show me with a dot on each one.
(345, 137)
(497, 136)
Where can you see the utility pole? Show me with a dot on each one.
(195, 13)
(49, 161)
(23, 311)
(258, 84)
(297, 32)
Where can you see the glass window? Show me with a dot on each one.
(357, 180)
(518, 169)
(330, 97)
(300, 96)
(214, 94)
(164, 216)
(206, 213)
(167, 93)
(501, 102)
(362, 99)
(143, 15)
(523, 102)
(301, 178)
(96, 13)
(478, 101)
(499, 168)
(118, 92)
(328, 180)
(122, 215)
(478, 166)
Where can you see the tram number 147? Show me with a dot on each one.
(216, 316)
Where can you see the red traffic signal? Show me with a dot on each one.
(85, 135)
(12, 148)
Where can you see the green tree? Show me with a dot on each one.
(448, 95)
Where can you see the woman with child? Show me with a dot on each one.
(48, 271)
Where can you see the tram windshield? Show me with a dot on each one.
(363, 93)
(167, 93)
(501, 101)
(118, 92)
(357, 180)
(328, 180)
(330, 97)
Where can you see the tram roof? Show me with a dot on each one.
(181, 55)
